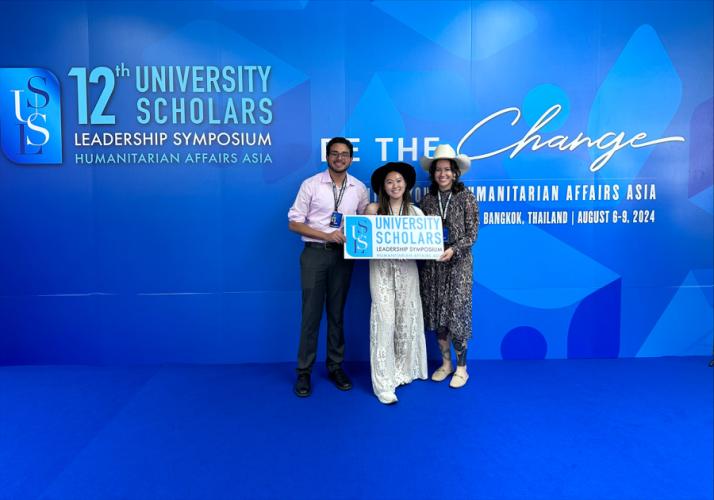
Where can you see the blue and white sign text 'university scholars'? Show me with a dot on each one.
(390, 237)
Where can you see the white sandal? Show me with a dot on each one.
(387, 398)
(458, 380)
(441, 373)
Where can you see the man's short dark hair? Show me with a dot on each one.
(338, 140)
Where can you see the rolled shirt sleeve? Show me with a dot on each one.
(315, 202)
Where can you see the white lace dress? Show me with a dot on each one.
(397, 347)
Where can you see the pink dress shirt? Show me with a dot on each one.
(315, 202)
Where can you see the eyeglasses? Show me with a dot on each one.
(335, 154)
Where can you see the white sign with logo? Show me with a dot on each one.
(393, 237)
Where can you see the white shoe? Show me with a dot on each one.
(458, 380)
(441, 373)
(387, 398)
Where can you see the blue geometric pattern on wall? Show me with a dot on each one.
(542, 98)
(293, 151)
(685, 327)
(701, 150)
(263, 5)
(469, 33)
(641, 92)
(423, 95)
(524, 342)
(191, 234)
(375, 112)
(595, 327)
(196, 43)
(445, 23)
(537, 262)
(705, 279)
(497, 25)
(490, 328)
(704, 200)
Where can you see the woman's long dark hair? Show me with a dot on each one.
(456, 187)
(384, 201)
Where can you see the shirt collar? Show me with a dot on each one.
(326, 178)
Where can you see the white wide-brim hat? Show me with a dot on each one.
(446, 152)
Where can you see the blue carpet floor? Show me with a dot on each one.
(581, 429)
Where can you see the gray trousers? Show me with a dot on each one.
(325, 277)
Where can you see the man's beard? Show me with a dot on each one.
(338, 171)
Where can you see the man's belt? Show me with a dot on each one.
(327, 245)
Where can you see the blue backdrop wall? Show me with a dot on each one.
(150, 152)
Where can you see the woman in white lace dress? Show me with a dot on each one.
(397, 346)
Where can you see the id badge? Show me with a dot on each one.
(446, 234)
(336, 219)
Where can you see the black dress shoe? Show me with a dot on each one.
(341, 380)
(302, 386)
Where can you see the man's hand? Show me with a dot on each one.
(335, 237)
(446, 256)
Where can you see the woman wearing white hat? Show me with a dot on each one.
(446, 284)
(397, 348)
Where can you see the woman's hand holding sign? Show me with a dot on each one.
(446, 256)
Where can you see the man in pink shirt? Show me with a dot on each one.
(317, 215)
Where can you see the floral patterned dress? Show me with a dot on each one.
(397, 347)
(446, 286)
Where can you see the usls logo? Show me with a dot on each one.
(359, 232)
(30, 116)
